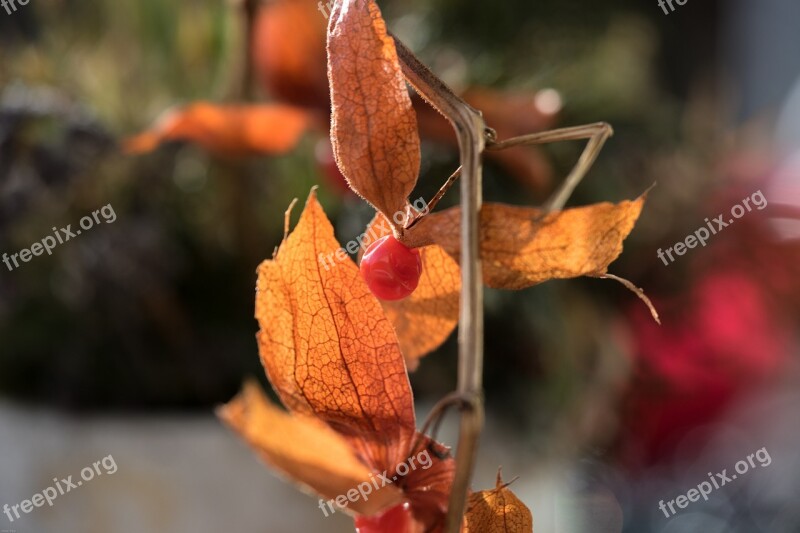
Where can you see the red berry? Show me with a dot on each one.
(396, 520)
(391, 269)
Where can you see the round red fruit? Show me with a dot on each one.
(395, 520)
(391, 269)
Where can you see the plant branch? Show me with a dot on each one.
(471, 132)
(437, 197)
(597, 134)
(435, 417)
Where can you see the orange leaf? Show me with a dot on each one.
(522, 246)
(326, 344)
(497, 511)
(289, 52)
(424, 320)
(373, 126)
(303, 449)
(231, 130)
(428, 488)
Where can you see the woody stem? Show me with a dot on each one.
(597, 134)
(470, 130)
(444, 188)
(431, 425)
(437, 197)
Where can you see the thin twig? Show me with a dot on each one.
(434, 418)
(597, 134)
(436, 198)
(444, 188)
(635, 290)
(471, 131)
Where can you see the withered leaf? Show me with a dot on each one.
(497, 511)
(373, 125)
(327, 347)
(424, 320)
(333, 358)
(523, 246)
(228, 130)
(303, 449)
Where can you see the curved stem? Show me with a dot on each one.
(471, 132)
(597, 133)
(436, 416)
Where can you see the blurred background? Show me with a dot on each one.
(124, 339)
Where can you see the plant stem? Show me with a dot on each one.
(437, 197)
(470, 129)
(597, 133)
(240, 87)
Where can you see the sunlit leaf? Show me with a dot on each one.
(424, 320)
(303, 449)
(373, 125)
(523, 246)
(326, 344)
(497, 511)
